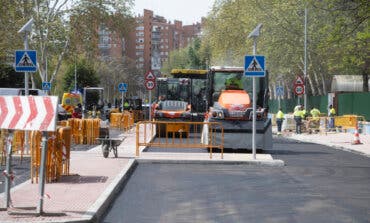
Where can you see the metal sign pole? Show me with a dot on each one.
(8, 173)
(122, 101)
(42, 171)
(254, 105)
(150, 105)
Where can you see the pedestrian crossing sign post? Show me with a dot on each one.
(25, 61)
(46, 86)
(279, 91)
(122, 87)
(254, 66)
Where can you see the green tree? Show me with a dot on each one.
(85, 74)
(9, 78)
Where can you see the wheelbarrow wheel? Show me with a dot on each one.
(105, 148)
(115, 152)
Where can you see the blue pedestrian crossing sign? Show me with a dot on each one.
(25, 61)
(46, 86)
(279, 91)
(254, 66)
(122, 87)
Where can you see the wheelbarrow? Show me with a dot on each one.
(109, 144)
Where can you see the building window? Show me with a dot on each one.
(140, 40)
(140, 28)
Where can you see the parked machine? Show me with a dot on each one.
(229, 96)
(173, 105)
(181, 98)
(93, 102)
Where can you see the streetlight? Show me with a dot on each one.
(305, 58)
(254, 34)
(26, 29)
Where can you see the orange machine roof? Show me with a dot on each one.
(231, 98)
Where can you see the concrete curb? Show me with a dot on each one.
(332, 145)
(98, 209)
(276, 163)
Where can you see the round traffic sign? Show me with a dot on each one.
(299, 89)
(149, 84)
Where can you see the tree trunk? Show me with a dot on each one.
(365, 75)
(288, 89)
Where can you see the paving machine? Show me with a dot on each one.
(230, 100)
(172, 105)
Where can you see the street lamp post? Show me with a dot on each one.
(305, 58)
(25, 30)
(254, 34)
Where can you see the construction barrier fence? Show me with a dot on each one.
(84, 131)
(321, 124)
(161, 134)
(58, 154)
(123, 121)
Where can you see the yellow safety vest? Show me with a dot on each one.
(280, 115)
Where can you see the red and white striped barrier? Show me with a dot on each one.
(28, 112)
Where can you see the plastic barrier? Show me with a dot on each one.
(58, 154)
(347, 121)
(115, 119)
(84, 131)
(288, 123)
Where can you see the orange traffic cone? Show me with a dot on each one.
(356, 139)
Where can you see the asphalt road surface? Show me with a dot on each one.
(318, 184)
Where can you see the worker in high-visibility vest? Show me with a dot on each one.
(279, 120)
(332, 113)
(234, 83)
(315, 117)
(298, 114)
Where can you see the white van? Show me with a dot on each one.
(21, 91)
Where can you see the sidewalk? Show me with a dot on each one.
(94, 181)
(336, 140)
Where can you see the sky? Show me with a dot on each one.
(187, 11)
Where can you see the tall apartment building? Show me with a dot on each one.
(154, 37)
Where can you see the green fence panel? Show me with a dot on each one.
(287, 105)
(354, 103)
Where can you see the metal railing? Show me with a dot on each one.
(191, 135)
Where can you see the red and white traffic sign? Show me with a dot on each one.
(149, 84)
(28, 112)
(299, 89)
(299, 81)
(150, 76)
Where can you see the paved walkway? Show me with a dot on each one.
(85, 193)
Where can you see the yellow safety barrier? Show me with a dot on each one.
(84, 131)
(124, 121)
(57, 157)
(347, 121)
(115, 119)
(190, 136)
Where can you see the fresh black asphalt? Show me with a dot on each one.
(318, 184)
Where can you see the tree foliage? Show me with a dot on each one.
(194, 56)
(86, 76)
(338, 37)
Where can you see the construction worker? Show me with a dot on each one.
(234, 83)
(279, 120)
(332, 113)
(315, 114)
(298, 119)
(126, 105)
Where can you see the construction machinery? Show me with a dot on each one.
(172, 105)
(93, 102)
(70, 101)
(181, 98)
(231, 105)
